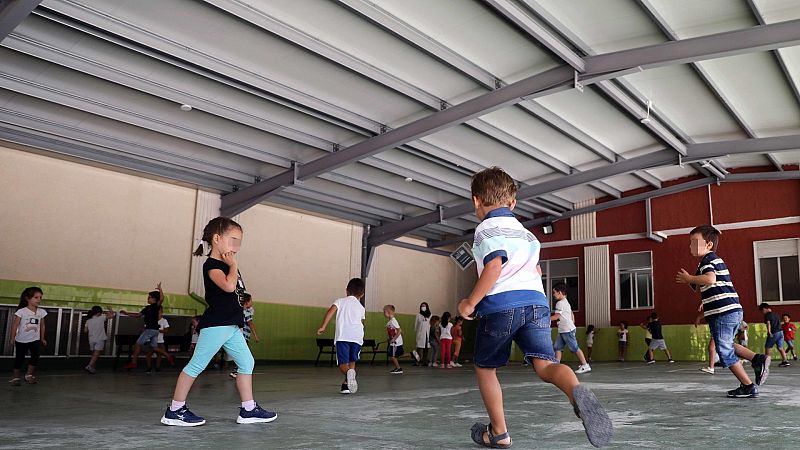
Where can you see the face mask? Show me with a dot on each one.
(424, 308)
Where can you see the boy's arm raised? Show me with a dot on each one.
(487, 280)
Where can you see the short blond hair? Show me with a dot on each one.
(389, 308)
(493, 186)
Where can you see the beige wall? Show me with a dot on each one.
(69, 223)
(63, 222)
(295, 258)
(405, 277)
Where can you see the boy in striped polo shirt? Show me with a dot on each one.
(722, 310)
(509, 300)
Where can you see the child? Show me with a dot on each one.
(566, 328)
(712, 350)
(722, 310)
(422, 328)
(774, 333)
(96, 329)
(194, 333)
(219, 327)
(648, 338)
(395, 339)
(28, 331)
(589, 341)
(658, 342)
(788, 329)
(458, 336)
(622, 337)
(163, 327)
(349, 337)
(149, 336)
(249, 327)
(446, 340)
(435, 334)
(509, 301)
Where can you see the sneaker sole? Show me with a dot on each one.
(255, 419)
(344, 392)
(764, 371)
(743, 396)
(180, 423)
(352, 384)
(595, 419)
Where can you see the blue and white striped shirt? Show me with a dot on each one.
(719, 297)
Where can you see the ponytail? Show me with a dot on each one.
(217, 225)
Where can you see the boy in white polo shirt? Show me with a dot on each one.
(349, 335)
(509, 300)
(566, 328)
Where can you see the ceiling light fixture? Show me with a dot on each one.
(186, 107)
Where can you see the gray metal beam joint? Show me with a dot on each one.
(296, 181)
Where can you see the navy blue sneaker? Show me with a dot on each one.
(182, 418)
(257, 415)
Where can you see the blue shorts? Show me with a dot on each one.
(789, 343)
(528, 326)
(347, 352)
(228, 337)
(395, 351)
(567, 339)
(723, 329)
(776, 339)
(148, 337)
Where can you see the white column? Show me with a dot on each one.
(597, 286)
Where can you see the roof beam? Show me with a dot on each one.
(758, 38)
(12, 13)
(660, 158)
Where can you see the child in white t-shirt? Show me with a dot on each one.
(163, 327)
(96, 329)
(28, 331)
(622, 335)
(446, 340)
(395, 340)
(349, 336)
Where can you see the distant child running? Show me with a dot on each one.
(395, 339)
(28, 331)
(722, 310)
(96, 329)
(788, 335)
(566, 328)
(349, 337)
(151, 314)
(509, 301)
(774, 333)
(220, 327)
(163, 329)
(658, 342)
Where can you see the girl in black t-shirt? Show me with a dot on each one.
(220, 327)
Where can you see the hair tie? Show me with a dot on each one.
(200, 242)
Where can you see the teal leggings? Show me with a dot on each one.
(211, 339)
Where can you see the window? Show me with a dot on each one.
(565, 271)
(777, 271)
(634, 280)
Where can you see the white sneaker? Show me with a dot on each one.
(584, 368)
(451, 365)
(707, 370)
(457, 365)
(416, 356)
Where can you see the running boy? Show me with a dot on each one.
(654, 326)
(774, 333)
(395, 339)
(149, 336)
(788, 335)
(566, 328)
(349, 336)
(509, 300)
(722, 310)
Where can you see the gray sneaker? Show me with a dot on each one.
(595, 420)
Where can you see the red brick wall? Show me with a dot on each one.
(732, 202)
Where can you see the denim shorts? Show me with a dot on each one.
(567, 339)
(776, 340)
(148, 337)
(347, 352)
(528, 326)
(723, 329)
(789, 343)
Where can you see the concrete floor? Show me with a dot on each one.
(666, 406)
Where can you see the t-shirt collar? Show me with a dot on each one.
(502, 211)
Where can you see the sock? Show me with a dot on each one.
(176, 405)
(249, 405)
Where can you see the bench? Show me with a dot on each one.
(370, 347)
